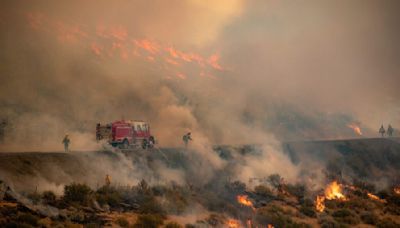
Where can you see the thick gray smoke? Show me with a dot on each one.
(231, 72)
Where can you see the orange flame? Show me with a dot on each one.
(397, 190)
(242, 199)
(334, 191)
(355, 128)
(375, 197)
(320, 203)
(233, 223)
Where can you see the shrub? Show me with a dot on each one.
(49, 197)
(328, 222)
(369, 218)
(308, 211)
(297, 190)
(151, 206)
(364, 185)
(122, 222)
(346, 216)
(387, 223)
(264, 191)
(273, 215)
(394, 199)
(108, 195)
(307, 202)
(34, 197)
(78, 193)
(275, 180)
(173, 225)
(159, 190)
(383, 194)
(28, 219)
(148, 221)
(216, 220)
(359, 204)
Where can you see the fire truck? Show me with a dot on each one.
(126, 134)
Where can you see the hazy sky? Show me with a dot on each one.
(222, 69)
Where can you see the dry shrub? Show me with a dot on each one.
(263, 191)
(122, 222)
(29, 219)
(149, 221)
(346, 216)
(387, 223)
(369, 218)
(173, 225)
(308, 211)
(48, 197)
(275, 216)
(328, 222)
(108, 195)
(77, 193)
(35, 197)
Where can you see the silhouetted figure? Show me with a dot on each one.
(390, 131)
(3, 125)
(108, 180)
(186, 139)
(66, 142)
(382, 131)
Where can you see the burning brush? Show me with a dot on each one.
(332, 192)
(243, 199)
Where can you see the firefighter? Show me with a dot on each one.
(66, 142)
(382, 131)
(186, 139)
(390, 130)
(108, 180)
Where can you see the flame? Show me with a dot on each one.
(233, 223)
(375, 197)
(242, 199)
(355, 128)
(334, 191)
(214, 62)
(320, 203)
(397, 190)
(372, 196)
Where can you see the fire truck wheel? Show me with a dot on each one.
(125, 144)
(145, 144)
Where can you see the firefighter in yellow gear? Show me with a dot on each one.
(108, 180)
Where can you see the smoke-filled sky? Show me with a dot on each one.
(230, 71)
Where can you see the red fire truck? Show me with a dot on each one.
(126, 134)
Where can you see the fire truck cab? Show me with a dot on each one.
(126, 134)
